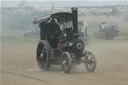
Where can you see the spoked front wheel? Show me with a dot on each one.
(66, 62)
(90, 62)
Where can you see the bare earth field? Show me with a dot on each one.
(19, 61)
(19, 66)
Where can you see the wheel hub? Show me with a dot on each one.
(64, 62)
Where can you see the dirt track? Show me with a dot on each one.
(19, 66)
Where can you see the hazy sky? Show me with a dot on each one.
(91, 3)
(63, 0)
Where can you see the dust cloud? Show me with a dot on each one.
(18, 53)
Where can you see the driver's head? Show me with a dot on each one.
(69, 26)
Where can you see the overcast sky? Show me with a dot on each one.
(63, 0)
(91, 3)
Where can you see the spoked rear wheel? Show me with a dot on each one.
(42, 56)
(66, 62)
(90, 62)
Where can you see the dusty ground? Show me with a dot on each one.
(19, 66)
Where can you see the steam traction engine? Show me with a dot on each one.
(61, 43)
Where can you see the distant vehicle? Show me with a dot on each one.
(61, 42)
(28, 34)
(107, 31)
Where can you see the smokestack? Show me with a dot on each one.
(75, 19)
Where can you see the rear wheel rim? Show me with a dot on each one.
(42, 56)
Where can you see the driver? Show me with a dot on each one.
(70, 26)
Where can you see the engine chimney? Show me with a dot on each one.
(75, 19)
